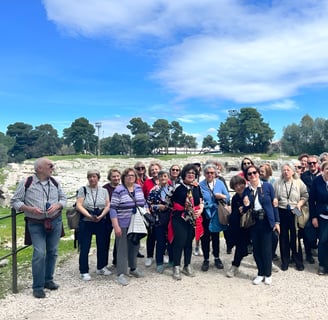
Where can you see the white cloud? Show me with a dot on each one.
(220, 50)
(286, 104)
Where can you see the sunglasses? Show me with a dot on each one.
(298, 167)
(252, 172)
(246, 163)
(140, 168)
(190, 172)
(210, 172)
(177, 170)
(51, 165)
(311, 163)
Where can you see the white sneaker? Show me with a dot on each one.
(122, 280)
(232, 271)
(275, 268)
(148, 262)
(258, 280)
(104, 271)
(166, 259)
(137, 273)
(85, 276)
(268, 280)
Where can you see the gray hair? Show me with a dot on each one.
(210, 165)
(291, 166)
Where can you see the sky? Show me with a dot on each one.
(189, 61)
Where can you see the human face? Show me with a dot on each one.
(93, 180)
(115, 178)
(253, 176)
(298, 168)
(263, 173)
(163, 179)
(154, 171)
(210, 174)
(130, 178)
(175, 172)
(304, 162)
(325, 172)
(239, 188)
(46, 168)
(140, 169)
(246, 163)
(312, 164)
(287, 172)
(190, 176)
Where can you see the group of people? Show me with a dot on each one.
(184, 204)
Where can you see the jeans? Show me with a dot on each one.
(45, 251)
(162, 244)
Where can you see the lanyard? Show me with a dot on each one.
(94, 199)
(45, 192)
(288, 192)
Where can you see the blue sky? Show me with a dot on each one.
(190, 61)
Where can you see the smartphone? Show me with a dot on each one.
(297, 212)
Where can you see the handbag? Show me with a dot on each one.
(304, 217)
(147, 217)
(137, 228)
(247, 219)
(73, 218)
(223, 213)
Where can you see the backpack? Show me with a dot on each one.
(30, 179)
(73, 218)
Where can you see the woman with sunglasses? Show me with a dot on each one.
(259, 196)
(292, 195)
(174, 174)
(213, 190)
(141, 173)
(245, 163)
(125, 199)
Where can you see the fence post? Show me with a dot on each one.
(14, 250)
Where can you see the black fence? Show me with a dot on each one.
(14, 249)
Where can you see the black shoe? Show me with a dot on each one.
(39, 294)
(140, 255)
(299, 266)
(310, 260)
(284, 267)
(205, 265)
(51, 285)
(218, 263)
(275, 257)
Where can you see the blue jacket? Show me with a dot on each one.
(266, 196)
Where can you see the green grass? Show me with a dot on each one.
(24, 257)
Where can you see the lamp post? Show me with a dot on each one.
(98, 126)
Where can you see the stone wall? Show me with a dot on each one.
(72, 173)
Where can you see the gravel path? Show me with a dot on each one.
(210, 295)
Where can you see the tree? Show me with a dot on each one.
(209, 142)
(117, 144)
(81, 135)
(141, 145)
(309, 136)
(245, 132)
(160, 134)
(46, 142)
(137, 126)
(176, 134)
(21, 133)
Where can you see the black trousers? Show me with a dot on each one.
(184, 234)
(288, 240)
(206, 240)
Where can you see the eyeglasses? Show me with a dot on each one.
(173, 169)
(298, 167)
(311, 163)
(130, 175)
(252, 172)
(246, 163)
(140, 168)
(210, 172)
(191, 172)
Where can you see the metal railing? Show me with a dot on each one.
(14, 249)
